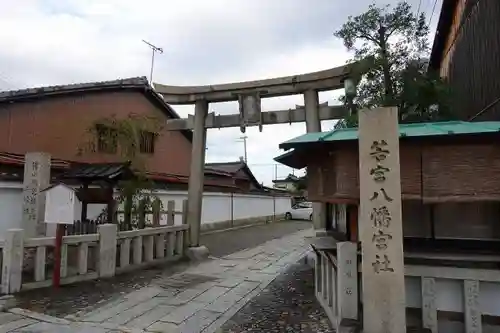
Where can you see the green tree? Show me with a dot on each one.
(123, 136)
(393, 46)
(302, 182)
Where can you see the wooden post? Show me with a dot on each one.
(171, 212)
(142, 214)
(156, 208)
(83, 216)
(127, 212)
(56, 276)
(184, 221)
(380, 223)
(111, 205)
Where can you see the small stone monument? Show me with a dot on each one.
(36, 177)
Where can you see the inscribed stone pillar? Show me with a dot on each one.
(36, 178)
(12, 263)
(347, 281)
(380, 223)
(107, 249)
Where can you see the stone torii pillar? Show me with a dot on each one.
(313, 124)
(197, 173)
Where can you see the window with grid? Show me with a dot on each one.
(107, 139)
(147, 142)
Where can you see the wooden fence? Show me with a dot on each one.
(156, 213)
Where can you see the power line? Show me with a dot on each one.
(418, 9)
(432, 13)
(489, 106)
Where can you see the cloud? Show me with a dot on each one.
(47, 42)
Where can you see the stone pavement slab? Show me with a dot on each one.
(198, 300)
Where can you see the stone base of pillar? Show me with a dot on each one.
(7, 302)
(320, 232)
(310, 258)
(198, 253)
(349, 326)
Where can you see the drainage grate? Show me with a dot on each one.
(184, 280)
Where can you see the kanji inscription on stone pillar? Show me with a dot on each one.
(380, 223)
(36, 178)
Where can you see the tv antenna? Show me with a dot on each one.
(155, 49)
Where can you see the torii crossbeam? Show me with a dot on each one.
(249, 95)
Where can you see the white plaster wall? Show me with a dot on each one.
(216, 206)
(11, 199)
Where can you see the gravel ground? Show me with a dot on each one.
(287, 305)
(73, 298)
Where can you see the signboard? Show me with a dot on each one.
(380, 223)
(250, 111)
(61, 205)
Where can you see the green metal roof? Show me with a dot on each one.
(405, 130)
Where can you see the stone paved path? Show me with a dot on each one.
(76, 297)
(198, 299)
(288, 304)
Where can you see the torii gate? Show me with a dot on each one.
(249, 95)
(384, 309)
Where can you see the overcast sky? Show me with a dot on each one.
(49, 42)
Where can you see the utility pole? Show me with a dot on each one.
(155, 49)
(244, 138)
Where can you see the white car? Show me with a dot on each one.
(301, 211)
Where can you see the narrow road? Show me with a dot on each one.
(224, 243)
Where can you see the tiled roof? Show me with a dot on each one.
(227, 167)
(99, 171)
(230, 169)
(17, 160)
(136, 83)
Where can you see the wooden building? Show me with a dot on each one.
(451, 208)
(465, 53)
(57, 120)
